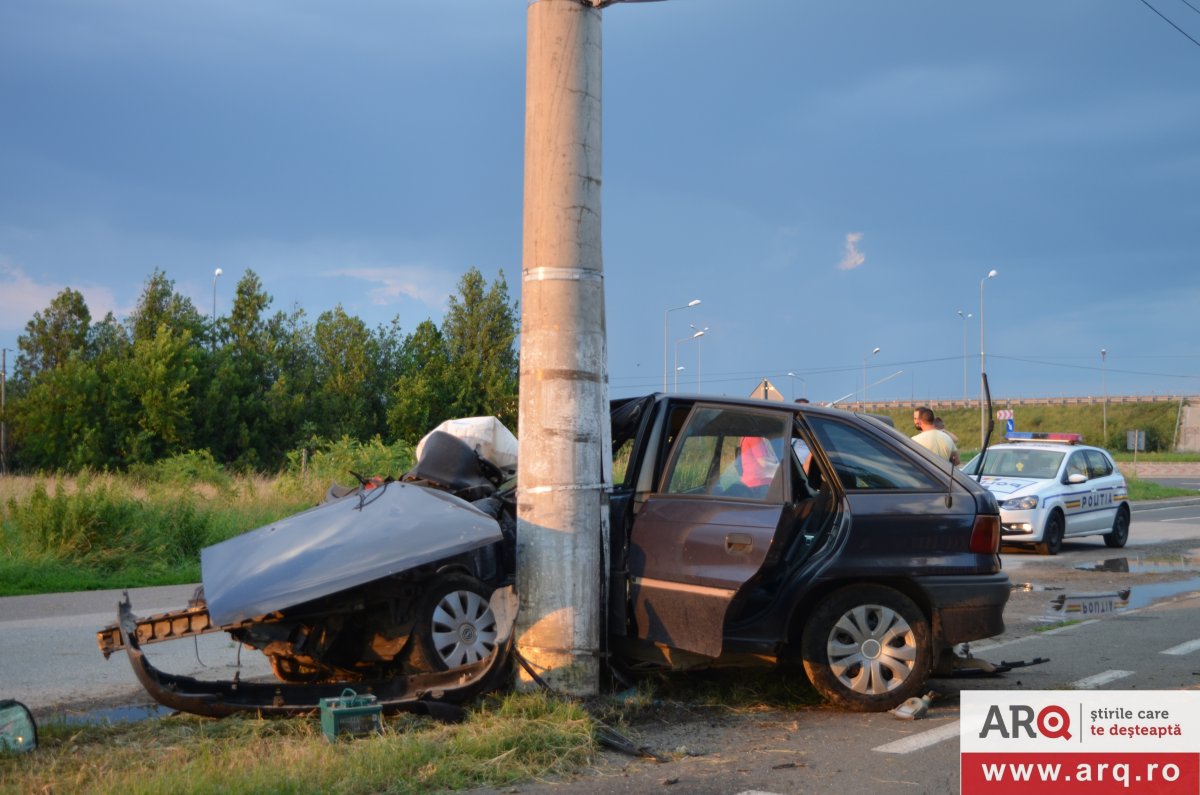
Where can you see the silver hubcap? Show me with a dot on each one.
(464, 628)
(872, 649)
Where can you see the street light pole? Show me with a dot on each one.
(964, 320)
(982, 369)
(695, 336)
(692, 326)
(864, 392)
(688, 305)
(1104, 380)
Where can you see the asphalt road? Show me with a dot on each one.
(48, 659)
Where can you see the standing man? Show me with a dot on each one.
(933, 440)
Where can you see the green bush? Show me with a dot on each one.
(183, 469)
(312, 468)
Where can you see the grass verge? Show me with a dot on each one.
(507, 739)
(1147, 490)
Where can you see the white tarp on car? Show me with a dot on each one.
(487, 435)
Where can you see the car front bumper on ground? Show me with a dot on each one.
(967, 607)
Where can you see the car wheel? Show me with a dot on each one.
(455, 625)
(1052, 535)
(1120, 529)
(867, 648)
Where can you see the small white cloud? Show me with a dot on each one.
(851, 256)
(427, 285)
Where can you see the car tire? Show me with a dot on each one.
(1052, 535)
(455, 624)
(1120, 529)
(867, 648)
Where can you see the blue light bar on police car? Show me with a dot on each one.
(1038, 436)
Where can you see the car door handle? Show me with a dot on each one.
(738, 543)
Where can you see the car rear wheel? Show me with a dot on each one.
(1120, 529)
(867, 648)
(1052, 535)
(455, 625)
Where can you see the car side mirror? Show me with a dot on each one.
(1076, 478)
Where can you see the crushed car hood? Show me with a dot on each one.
(1008, 487)
(338, 545)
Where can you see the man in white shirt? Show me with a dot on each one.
(933, 440)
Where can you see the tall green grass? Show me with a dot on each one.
(1158, 420)
(147, 527)
(516, 737)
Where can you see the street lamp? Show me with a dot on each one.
(688, 305)
(965, 318)
(864, 394)
(695, 336)
(1104, 380)
(982, 369)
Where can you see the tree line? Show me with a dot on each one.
(252, 386)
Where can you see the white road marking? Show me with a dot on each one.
(1099, 679)
(1183, 648)
(1182, 519)
(916, 742)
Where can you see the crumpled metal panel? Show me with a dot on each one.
(338, 545)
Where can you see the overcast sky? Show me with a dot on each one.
(826, 177)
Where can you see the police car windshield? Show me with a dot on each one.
(1021, 463)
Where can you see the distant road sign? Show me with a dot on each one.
(1009, 426)
(1004, 414)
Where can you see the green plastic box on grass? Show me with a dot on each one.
(350, 714)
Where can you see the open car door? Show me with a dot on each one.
(707, 527)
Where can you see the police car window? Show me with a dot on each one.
(1077, 464)
(864, 462)
(1098, 464)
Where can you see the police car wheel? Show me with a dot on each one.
(1052, 535)
(867, 648)
(1120, 530)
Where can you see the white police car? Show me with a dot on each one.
(1050, 486)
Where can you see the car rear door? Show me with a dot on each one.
(1105, 483)
(1079, 501)
(706, 528)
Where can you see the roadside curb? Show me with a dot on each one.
(1171, 502)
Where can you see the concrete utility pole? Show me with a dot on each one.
(565, 457)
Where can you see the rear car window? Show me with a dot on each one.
(730, 453)
(1098, 464)
(864, 462)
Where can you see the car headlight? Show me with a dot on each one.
(1020, 504)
